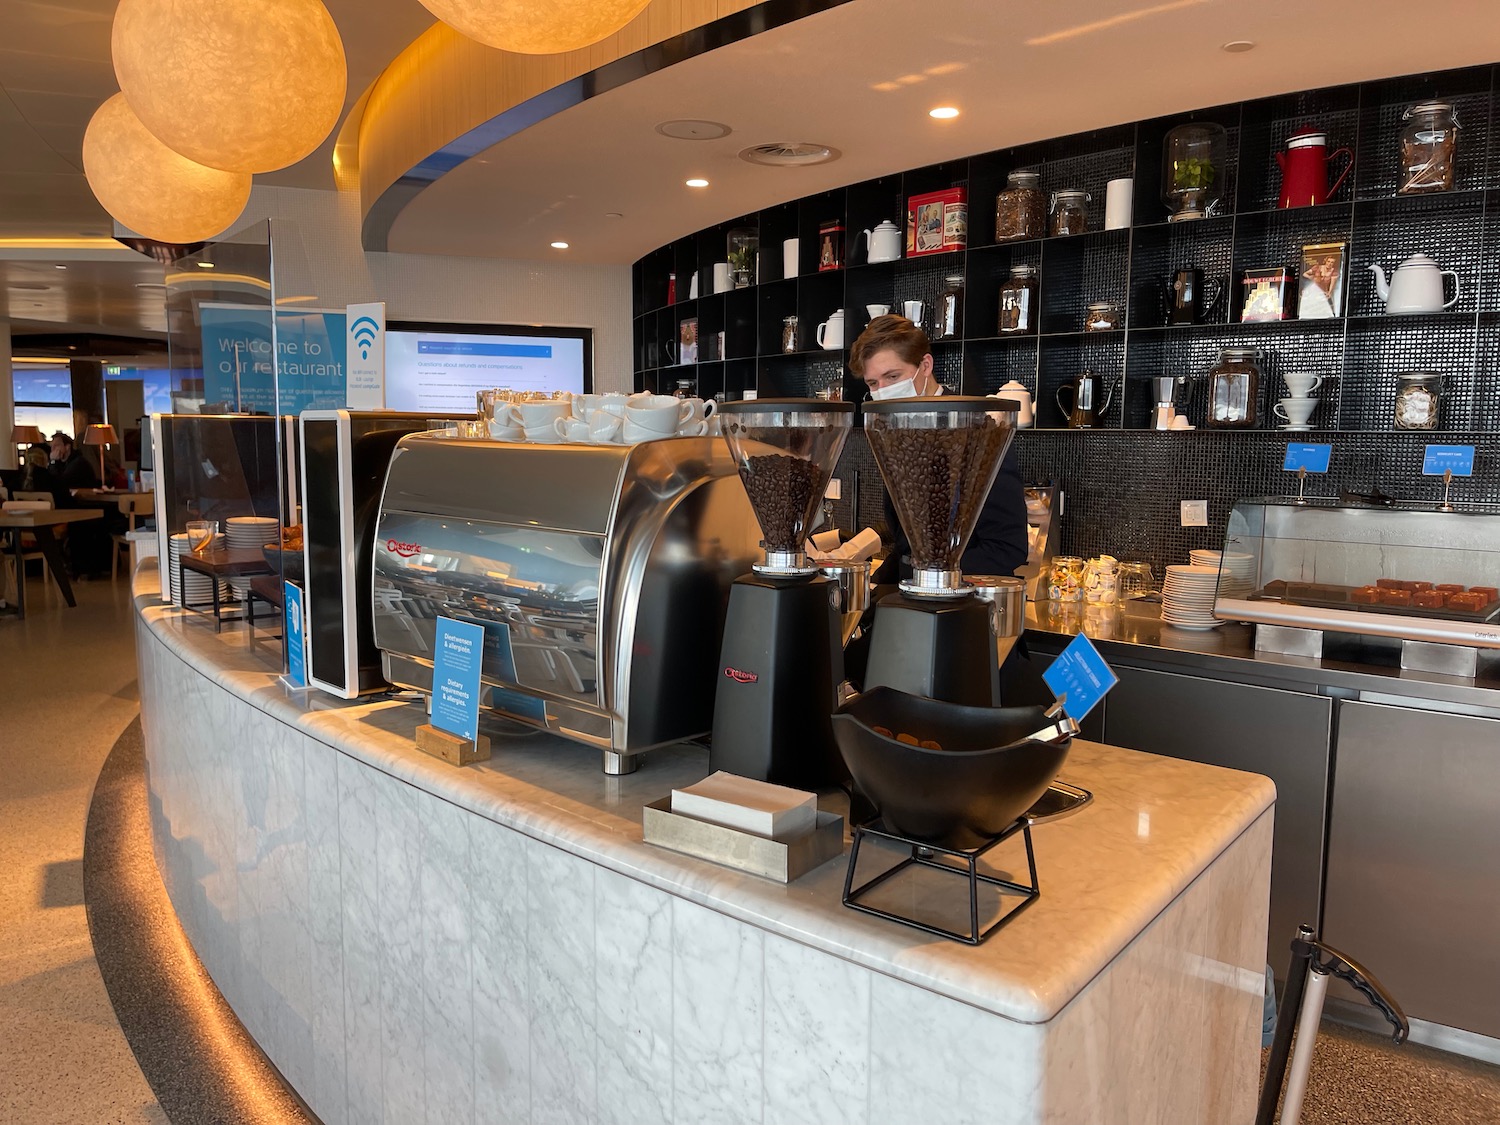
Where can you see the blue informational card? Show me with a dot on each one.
(1080, 677)
(458, 654)
(1313, 458)
(1443, 458)
(296, 636)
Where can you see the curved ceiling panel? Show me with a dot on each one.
(861, 76)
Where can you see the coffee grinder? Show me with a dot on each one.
(938, 458)
(782, 656)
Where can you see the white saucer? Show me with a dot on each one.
(1299, 429)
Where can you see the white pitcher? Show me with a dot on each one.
(884, 242)
(831, 332)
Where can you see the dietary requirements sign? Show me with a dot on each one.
(459, 651)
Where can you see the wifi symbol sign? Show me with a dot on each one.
(364, 330)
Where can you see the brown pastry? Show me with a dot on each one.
(1490, 593)
(1395, 597)
(1365, 595)
(1428, 599)
(1448, 588)
(1390, 583)
(1469, 602)
(1418, 587)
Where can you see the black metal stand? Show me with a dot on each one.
(926, 855)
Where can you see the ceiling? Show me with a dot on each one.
(55, 70)
(861, 78)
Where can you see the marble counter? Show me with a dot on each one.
(411, 941)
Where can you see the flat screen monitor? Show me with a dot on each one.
(436, 368)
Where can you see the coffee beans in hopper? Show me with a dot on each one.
(936, 482)
(782, 490)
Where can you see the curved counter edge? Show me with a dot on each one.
(408, 939)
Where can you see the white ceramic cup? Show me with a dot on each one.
(912, 310)
(789, 257)
(604, 425)
(630, 433)
(572, 429)
(661, 418)
(1302, 383)
(500, 430)
(877, 310)
(584, 405)
(693, 429)
(536, 415)
(1117, 200)
(721, 277)
(1296, 410)
(702, 409)
(544, 434)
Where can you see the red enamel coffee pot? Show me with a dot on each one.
(1304, 169)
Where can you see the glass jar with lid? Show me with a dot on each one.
(1419, 400)
(789, 334)
(950, 310)
(1136, 580)
(1018, 301)
(1021, 209)
(1429, 148)
(1070, 211)
(1233, 390)
(1101, 316)
(1065, 581)
(1101, 581)
(1194, 157)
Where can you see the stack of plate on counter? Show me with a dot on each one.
(1187, 597)
(249, 533)
(1237, 570)
(200, 587)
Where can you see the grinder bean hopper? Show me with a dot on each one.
(782, 656)
(938, 458)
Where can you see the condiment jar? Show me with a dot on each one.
(1021, 209)
(789, 334)
(1070, 211)
(1136, 580)
(1101, 581)
(1066, 580)
(1429, 148)
(1233, 390)
(950, 309)
(1419, 399)
(1018, 301)
(1101, 316)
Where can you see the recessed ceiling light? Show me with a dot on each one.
(59, 266)
(1238, 46)
(943, 112)
(559, 246)
(697, 181)
(205, 265)
(614, 214)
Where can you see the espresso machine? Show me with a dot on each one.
(782, 656)
(936, 637)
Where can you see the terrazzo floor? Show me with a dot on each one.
(68, 696)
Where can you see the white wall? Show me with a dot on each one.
(333, 267)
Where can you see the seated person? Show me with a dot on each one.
(70, 466)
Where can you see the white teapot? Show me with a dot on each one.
(1018, 393)
(1416, 286)
(884, 242)
(831, 332)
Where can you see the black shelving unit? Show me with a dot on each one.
(1359, 354)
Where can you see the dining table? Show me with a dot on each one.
(43, 523)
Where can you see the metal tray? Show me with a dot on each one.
(782, 860)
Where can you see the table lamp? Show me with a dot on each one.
(27, 436)
(101, 435)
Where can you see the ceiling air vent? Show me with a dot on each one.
(790, 154)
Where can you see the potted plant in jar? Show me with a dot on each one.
(744, 245)
(1193, 160)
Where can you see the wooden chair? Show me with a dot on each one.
(29, 502)
(133, 507)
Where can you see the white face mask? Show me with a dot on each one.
(902, 388)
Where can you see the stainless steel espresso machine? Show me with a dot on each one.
(599, 573)
(782, 659)
(935, 637)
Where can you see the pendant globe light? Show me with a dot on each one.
(242, 85)
(151, 189)
(536, 27)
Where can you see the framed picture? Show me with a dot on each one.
(687, 339)
(1320, 292)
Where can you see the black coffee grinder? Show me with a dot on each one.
(938, 457)
(782, 657)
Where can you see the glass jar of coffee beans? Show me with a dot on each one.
(1021, 209)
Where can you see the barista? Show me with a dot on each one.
(894, 358)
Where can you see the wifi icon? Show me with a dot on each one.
(364, 330)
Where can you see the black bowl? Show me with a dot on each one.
(987, 773)
(287, 563)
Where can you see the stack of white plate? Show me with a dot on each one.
(1187, 597)
(1237, 570)
(200, 587)
(249, 533)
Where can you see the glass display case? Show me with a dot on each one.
(1410, 572)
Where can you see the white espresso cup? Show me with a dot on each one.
(571, 429)
(584, 405)
(877, 310)
(661, 414)
(501, 429)
(542, 413)
(1302, 383)
(1296, 411)
(545, 433)
(603, 425)
(702, 409)
(631, 434)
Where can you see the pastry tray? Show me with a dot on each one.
(1475, 616)
(781, 860)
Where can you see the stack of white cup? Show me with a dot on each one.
(648, 417)
(1297, 409)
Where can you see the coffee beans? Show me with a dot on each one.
(937, 481)
(783, 491)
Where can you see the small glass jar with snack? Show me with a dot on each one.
(1419, 398)
(1070, 211)
(1021, 209)
(1065, 583)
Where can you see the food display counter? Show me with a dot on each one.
(410, 940)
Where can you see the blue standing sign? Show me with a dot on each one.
(1080, 677)
(459, 652)
(296, 636)
(1302, 455)
(1439, 459)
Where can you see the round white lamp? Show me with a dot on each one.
(536, 27)
(151, 189)
(246, 87)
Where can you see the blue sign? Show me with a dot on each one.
(1440, 459)
(296, 636)
(309, 359)
(502, 657)
(1080, 677)
(459, 651)
(1313, 458)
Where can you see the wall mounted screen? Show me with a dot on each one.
(438, 367)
